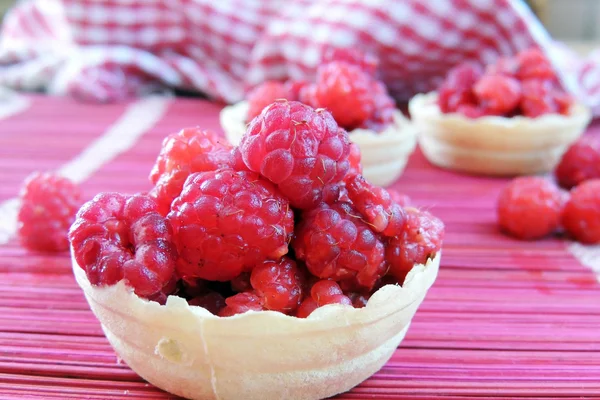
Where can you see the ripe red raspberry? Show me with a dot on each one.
(264, 94)
(497, 94)
(48, 206)
(399, 198)
(541, 97)
(507, 66)
(365, 61)
(237, 160)
(294, 88)
(347, 92)
(228, 221)
(384, 109)
(456, 88)
(533, 64)
(421, 240)
(182, 153)
(241, 303)
(299, 149)
(117, 236)
(241, 283)
(530, 207)
(212, 301)
(581, 217)
(376, 206)
(354, 159)
(581, 162)
(322, 292)
(278, 284)
(336, 244)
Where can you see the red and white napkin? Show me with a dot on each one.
(105, 50)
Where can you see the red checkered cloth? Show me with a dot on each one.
(106, 50)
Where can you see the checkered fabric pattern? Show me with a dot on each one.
(105, 50)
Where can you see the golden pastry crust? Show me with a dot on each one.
(384, 154)
(494, 145)
(263, 355)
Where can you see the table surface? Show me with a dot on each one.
(505, 319)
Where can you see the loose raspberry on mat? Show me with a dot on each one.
(581, 216)
(278, 284)
(580, 163)
(226, 222)
(347, 92)
(266, 93)
(420, 241)
(241, 303)
(321, 293)
(365, 61)
(336, 244)
(497, 94)
(376, 206)
(299, 149)
(530, 207)
(117, 236)
(48, 206)
(182, 153)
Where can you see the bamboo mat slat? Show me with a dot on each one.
(504, 320)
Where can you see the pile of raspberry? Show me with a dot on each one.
(523, 85)
(534, 207)
(346, 84)
(284, 222)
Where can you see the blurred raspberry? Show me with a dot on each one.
(385, 106)
(365, 61)
(456, 91)
(581, 217)
(580, 163)
(533, 64)
(264, 94)
(48, 206)
(497, 94)
(530, 207)
(299, 149)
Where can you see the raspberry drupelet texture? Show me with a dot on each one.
(321, 293)
(241, 303)
(226, 222)
(497, 94)
(581, 216)
(49, 203)
(346, 91)
(376, 206)
(420, 240)
(266, 93)
(124, 237)
(365, 61)
(354, 159)
(580, 162)
(299, 149)
(182, 153)
(456, 90)
(278, 284)
(385, 106)
(336, 244)
(401, 199)
(530, 207)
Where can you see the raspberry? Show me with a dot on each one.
(507, 66)
(471, 111)
(264, 94)
(537, 98)
(399, 198)
(354, 160)
(581, 217)
(456, 88)
(376, 206)
(359, 300)
(421, 240)
(117, 236)
(299, 149)
(182, 153)
(581, 162)
(336, 244)
(533, 64)
(170, 288)
(365, 61)
(48, 206)
(497, 94)
(241, 303)
(228, 221)
(384, 109)
(347, 92)
(322, 292)
(294, 88)
(530, 207)
(278, 284)
(237, 160)
(241, 283)
(211, 301)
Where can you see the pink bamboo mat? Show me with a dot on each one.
(505, 319)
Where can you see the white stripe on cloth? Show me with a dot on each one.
(137, 119)
(588, 255)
